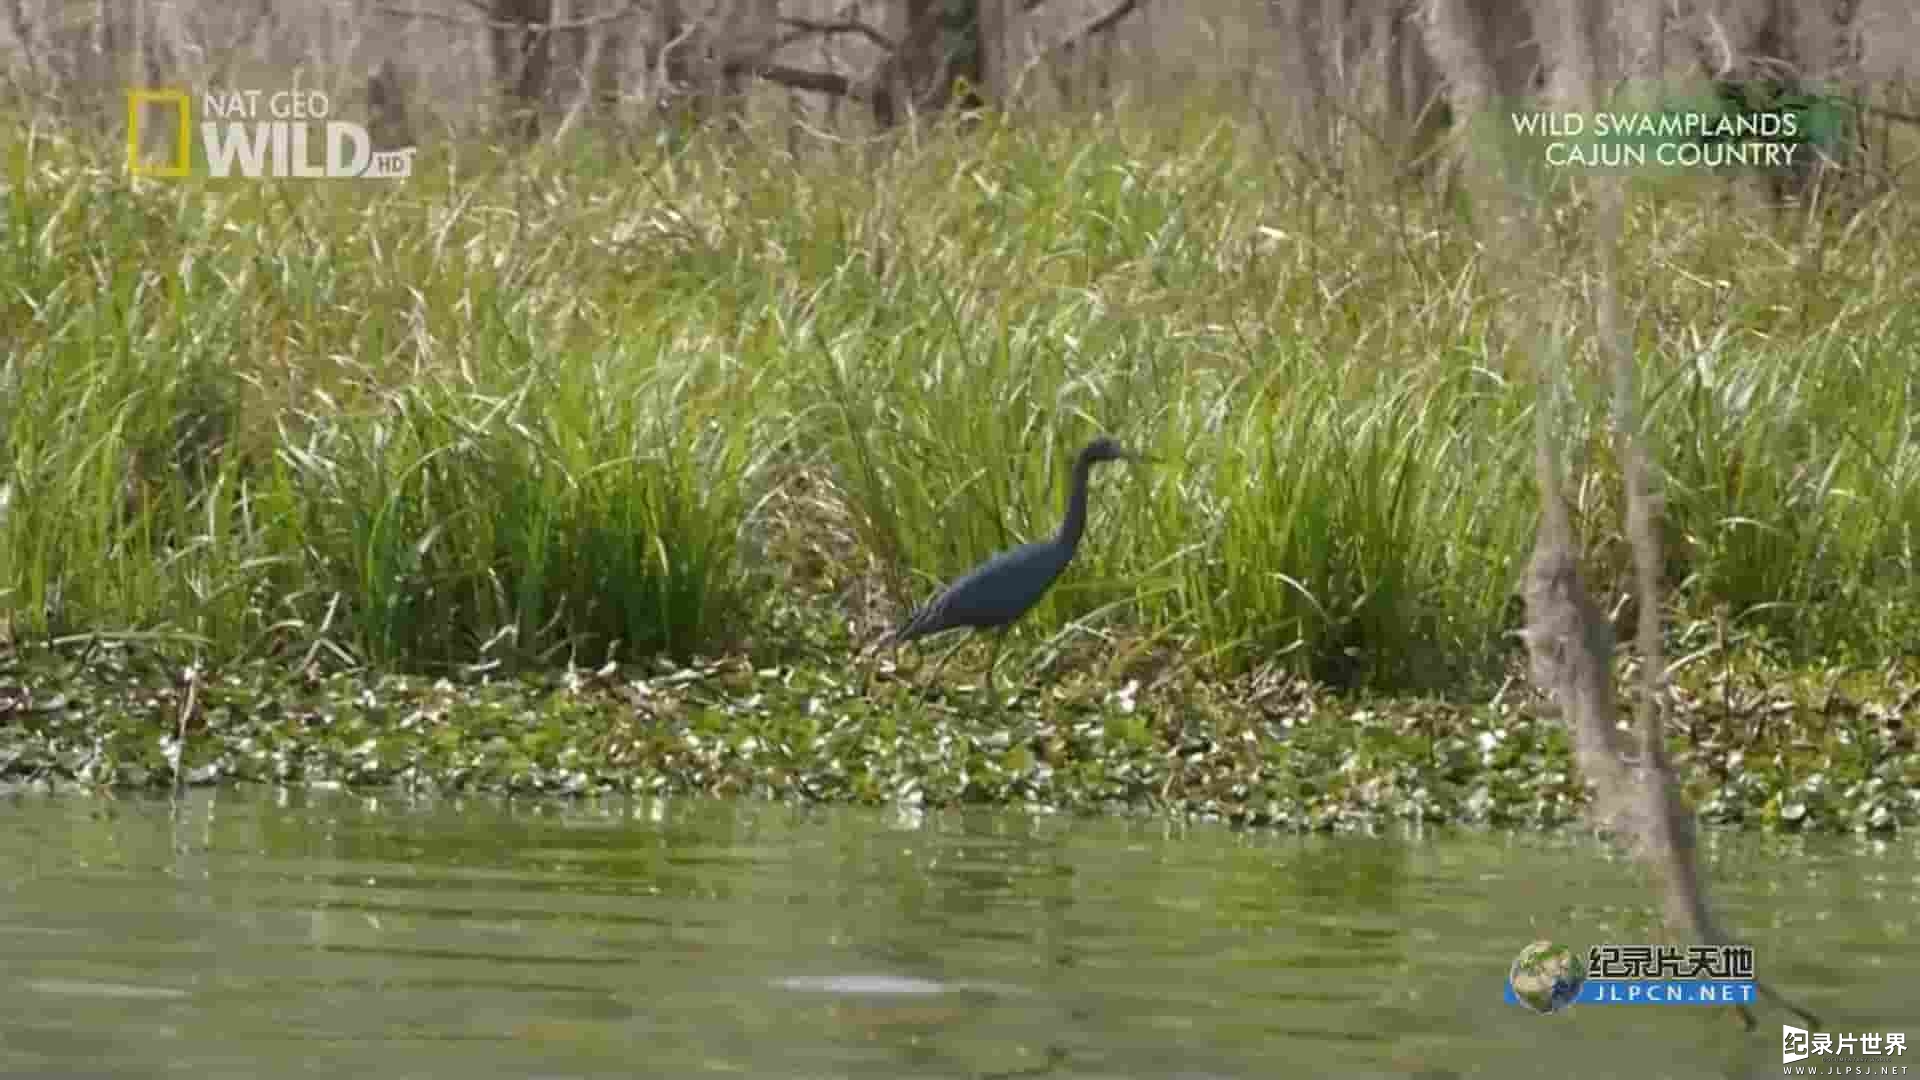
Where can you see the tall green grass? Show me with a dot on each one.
(545, 407)
(250, 419)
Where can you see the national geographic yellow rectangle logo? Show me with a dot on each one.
(138, 102)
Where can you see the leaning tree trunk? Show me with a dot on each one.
(1636, 796)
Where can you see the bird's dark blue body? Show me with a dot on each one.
(994, 593)
(997, 592)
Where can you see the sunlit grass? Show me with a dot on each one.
(552, 407)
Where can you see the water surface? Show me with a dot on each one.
(286, 933)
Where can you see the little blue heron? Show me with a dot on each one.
(993, 595)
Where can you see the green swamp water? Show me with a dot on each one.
(259, 934)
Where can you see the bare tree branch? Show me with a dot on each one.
(793, 78)
(805, 28)
(633, 8)
(1093, 27)
(1893, 114)
(23, 33)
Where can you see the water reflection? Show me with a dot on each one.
(286, 933)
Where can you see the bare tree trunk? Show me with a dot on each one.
(522, 60)
(1344, 39)
(693, 64)
(996, 44)
(1486, 50)
(589, 64)
(1417, 112)
(1788, 47)
(1643, 42)
(746, 36)
(137, 56)
(606, 64)
(110, 35)
(941, 61)
(963, 46)
(668, 72)
(1486, 54)
(389, 126)
(23, 32)
(1082, 69)
(567, 49)
(1304, 37)
(904, 74)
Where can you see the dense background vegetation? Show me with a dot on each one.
(708, 341)
(596, 401)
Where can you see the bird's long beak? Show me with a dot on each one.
(1142, 459)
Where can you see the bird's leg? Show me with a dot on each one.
(927, 679)
(993, 660)
(890, 652)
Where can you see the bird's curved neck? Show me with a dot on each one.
(1075, 522)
